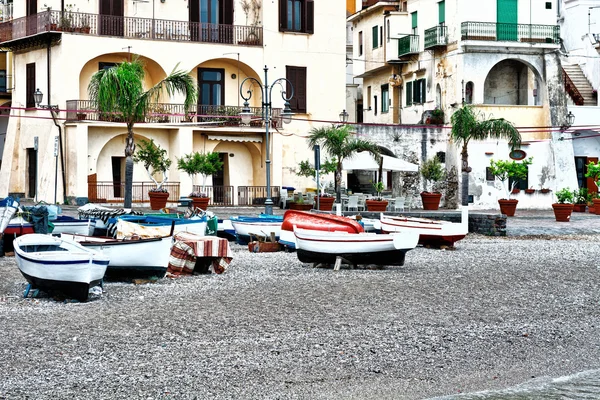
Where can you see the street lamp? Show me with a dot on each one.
(344, 116)
(570, 120)
(286, 117)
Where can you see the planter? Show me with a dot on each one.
(530, 191)
(376, 205)
(545, 190)
(562, 212)
(200, 202)
(431, 200)
(300, 206)
(596, 206)
(579, 207)
(516, 191)
(508, 206)
(326, 203)
(158, 200)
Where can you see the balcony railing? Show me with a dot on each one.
(408, 45)
(87, 110)
(256, 195)
(130, 27)
(436, 36)
(491, 31)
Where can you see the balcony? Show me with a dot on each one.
(498, 32)
(169, 113)
(127, 27)
(408, 45)
(436, 37)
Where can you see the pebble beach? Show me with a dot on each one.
(493, 313)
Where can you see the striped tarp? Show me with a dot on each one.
(189, 247)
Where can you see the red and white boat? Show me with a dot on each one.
(314, 221)
(431, 232)
(321, 246)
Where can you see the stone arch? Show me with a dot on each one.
(512, 82)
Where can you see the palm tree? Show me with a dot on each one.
(467, 126)
(340, 143)
(119, 91)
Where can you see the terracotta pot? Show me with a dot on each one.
(376, 205)
(431, 200)
(579, 207)
(508, 206)
(596, 206)
(326, 203)
(562, 212)
(516, 191)
(530, 191)
(158, 200)
(200, 202)
(300, 206)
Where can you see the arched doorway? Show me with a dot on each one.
(511, 82)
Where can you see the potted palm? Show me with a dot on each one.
(328, 167)
(504, 171)
(155, 160)
(564, 205)
(204, 164)
(593, 171)
(377, 203)
(432, 172)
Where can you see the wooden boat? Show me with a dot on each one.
(196, 225)
(319, 246)
(314, 221)
(53, 264)
(431, 232)
(8, 208)
(66, 224)
(19, 226)
(129, 258)
(261, 225)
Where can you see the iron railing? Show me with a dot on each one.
(408, 45)
(256, 195)
(87, 110)
(436, 36)
(572, 90)
(492, 31)
(219, 195)
(6, 12)
(130, 27)
(114, 192)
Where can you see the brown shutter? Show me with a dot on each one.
(30, 85)
(194, 7)
(282, 15)
(118, 8)
(310, 16)
(227, 12)
(297, 75)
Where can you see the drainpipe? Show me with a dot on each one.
(54, 118)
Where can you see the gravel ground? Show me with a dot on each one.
(492, 313)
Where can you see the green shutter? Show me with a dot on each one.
(409, 89)
(414, 19)
(442, 11)
(375, 38)
(423, 90)
(507, 18)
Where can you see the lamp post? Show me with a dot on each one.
(286, 117)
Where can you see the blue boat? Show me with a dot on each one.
(261, 225)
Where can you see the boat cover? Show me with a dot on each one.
(189, 247)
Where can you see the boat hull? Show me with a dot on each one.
(314, 221)
(357, 248)
(65, 224)
(256, 226)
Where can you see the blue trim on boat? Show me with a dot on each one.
(44, 262)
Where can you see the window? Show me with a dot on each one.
(521, 184)
(375, 105)
(414, 20)
(106, 65)
(381, 36)
(296, 16)
(469, 93)
(369, 98)
(211, 86)
(297, 76)
(387, 29)
(488, 174)
(375, 38)
(30, 85)
(415, 92)
(442, 12)
(548, 5)
(2, 80)
(385, 98)
(360, 43)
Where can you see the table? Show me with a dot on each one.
(192, 253)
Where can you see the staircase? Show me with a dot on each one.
(581, 84)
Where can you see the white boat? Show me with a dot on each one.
(53, 264)
(66, 224)
(8, 208)
(262, 225)
(318, 246)
(128, 259)
(431, 232)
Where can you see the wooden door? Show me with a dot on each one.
(111, 20)
(117, 166)
(31, 19)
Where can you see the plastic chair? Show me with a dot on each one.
(352, 203)
(399, 203)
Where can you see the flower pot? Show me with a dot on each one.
(545, 190)
(376, 205)
(158, 200)
(200, 202)
(431, 200)
(326, 203)
(516, 191)
(530, 191)
(596, 206)
(508, 206)
(562, 212)
(300, 206)
(579, 207)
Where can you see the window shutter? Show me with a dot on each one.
(282, 15)
(409, 89)
(227, 12)
(422, 89)
(30, 85)
(375, 40)
(416, 96)
(194, 10)
(414, 20)
(300, 89)
(310, 16)
(442, 11)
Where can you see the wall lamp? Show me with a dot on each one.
(344, 116)
(570, 120)
(38, 96)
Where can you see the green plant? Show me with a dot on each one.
(200, 163)
(582, 196)
(155, 160)
(379, 187)
(306, 169)
(432, 171)
(593, 171)
(504, 170)
(564, 195)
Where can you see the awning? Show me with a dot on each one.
(365, 161)
(236, 138)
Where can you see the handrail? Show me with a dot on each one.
(571, 89)
(503, 32)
